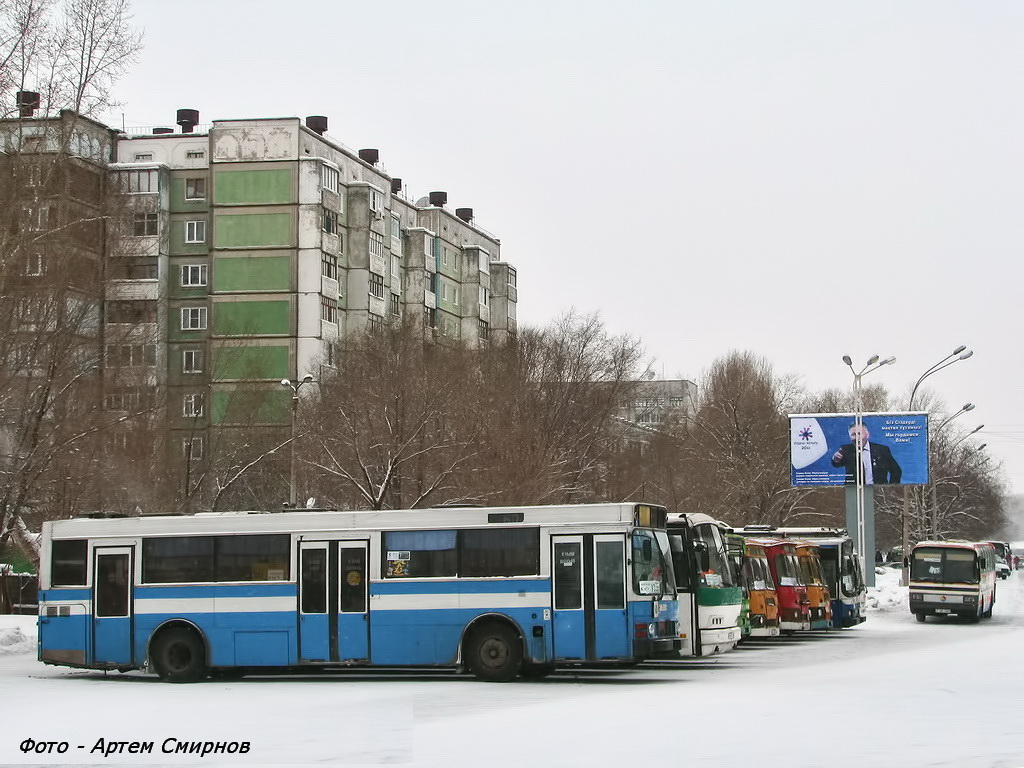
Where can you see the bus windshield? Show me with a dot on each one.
(944, 565)
(652, 574)
(787, 569)
(719, 572)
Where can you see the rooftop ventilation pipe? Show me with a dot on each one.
(28, 103)
(187, 119)
(371, 156)
(438, 198)
(317, 124)
(466, 214)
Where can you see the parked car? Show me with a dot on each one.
(1002, 568)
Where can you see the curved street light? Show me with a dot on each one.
(959, 353)
(294, 386)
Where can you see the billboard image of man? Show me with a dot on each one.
(879, 466)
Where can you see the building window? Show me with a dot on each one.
(329, 309)
(396, 228)
(396, 265)
(485, 296)
(143, 157)
(132, 312)
(376, 323)
(377, 285)
(377, 244)
(192, 405)
(34, 264)
(139, 181)
(429, 317)
(193, 318)
(428, 283)
(131, 355)
(329, 265)
(195, 231)
(485, 262)
(396, 306)
(376, 202)
(195, 189)
(329, 177)
(192, 361)
(192, 448)
(330, 222)
(195, 154)
(145, 224)
(193, 275)
(484, 331)
(123, 399)
(511, 276)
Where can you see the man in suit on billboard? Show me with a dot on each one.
(879, 466)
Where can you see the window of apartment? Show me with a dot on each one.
(429, 317)
(484, 330)
(376, 285)
(193, 318)
(329, 177)
(376, 201)
(144, 224)
(192, 361)
(428, 283)
(396, 305)
(329, 309)
(511, 276)
(143, 157)
(192, 405)
(195, 231)
(485, 262)
(131, 312)
(193, 275)
(330, 222)
(376, 323)
(329, 265)
(195, 154)
(123, 399)
(192, 448)
(449, 293)
(37, 219)
(377, 244)
(131, 355)
(396, 228)
(195, 189)
(485, 296)
(449, 257)
(396, 265)
(139, 181)
(34, 264)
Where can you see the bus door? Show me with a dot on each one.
(590, 621)
(333, 622)
(112, 615)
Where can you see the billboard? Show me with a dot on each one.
(823, 448)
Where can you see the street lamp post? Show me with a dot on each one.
(873, 364)
(294, 387)
(959, 353)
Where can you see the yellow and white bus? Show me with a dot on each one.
(953, 578)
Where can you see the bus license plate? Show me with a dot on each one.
(943, 610)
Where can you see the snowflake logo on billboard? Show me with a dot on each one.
(806, 433)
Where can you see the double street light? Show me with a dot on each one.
(959, 353)
(294, 386)
(872, 364)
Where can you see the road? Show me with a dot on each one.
(891, 691)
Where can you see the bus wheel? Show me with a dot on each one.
(179, 656)
(494, 653)
(920, 617)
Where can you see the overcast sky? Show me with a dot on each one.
(801, 180)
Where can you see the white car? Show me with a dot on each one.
(1002, 569)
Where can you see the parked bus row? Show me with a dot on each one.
(502, 592)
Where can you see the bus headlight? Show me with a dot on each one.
(916, 597)
(970, 599)
(652, 630)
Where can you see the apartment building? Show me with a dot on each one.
(244, 248)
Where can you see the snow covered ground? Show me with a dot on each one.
(890, 692)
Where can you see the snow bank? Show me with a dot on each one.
(887, 594)
(17, 634)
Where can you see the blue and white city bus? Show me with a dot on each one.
(500, 591)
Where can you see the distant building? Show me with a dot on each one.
(659, 404)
